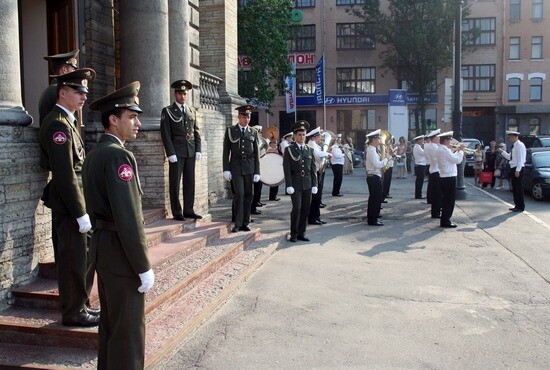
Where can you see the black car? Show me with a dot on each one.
(357, 157)
(536, 173)
(535, 141)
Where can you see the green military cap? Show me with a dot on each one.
(181, 85)
(78, 79)
(65, 58)
(125, 97)
(299, 126)
(245, 110)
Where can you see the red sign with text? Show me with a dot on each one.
(298, 58)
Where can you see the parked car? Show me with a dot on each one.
(357, 157)
(470, 144)
(535, 141)
(536, 174)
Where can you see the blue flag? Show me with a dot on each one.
(320, 82)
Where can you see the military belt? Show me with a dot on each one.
(105, 225)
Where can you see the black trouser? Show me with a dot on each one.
(315, 209)
(435, 194)
(242, 198)
(301, 200)
(337, 170)
(184, 167)
(375, 197)
(517, 188)
(448, 193)
(386, 182)
(419, 172)
(257, 195)
(273, 191)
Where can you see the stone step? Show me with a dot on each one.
(22, 356)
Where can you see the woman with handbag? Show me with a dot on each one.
(490, 162)
(501, 167)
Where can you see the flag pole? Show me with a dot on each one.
(324, 104)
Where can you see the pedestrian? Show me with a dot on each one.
(241, 165)
(182, 143)
(501, 168)
(447, 161)
(337, 164)
(434, 191)
(59, 64)
(490, 162)
(62, 153)
(300, 179)
(401, 158)
(373, 166)
(419, 166)
(517, 158)
(479, 159)
(119, 248)
(313, 136)
(348, 156)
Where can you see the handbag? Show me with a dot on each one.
(486, 177)
(497, 173)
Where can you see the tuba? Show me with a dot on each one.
(385, 137)
(327, 138)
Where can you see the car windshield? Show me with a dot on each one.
(470, 144)
(542, 160)
(545, 141)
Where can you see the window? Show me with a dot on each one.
(355, 80)
(303, 39)
(304, 4)
(353, 36)
(535, 91)
(537, 9)
(513, 89)
(534, 126)
(479, 77)
(536, 47)
(349, 2)
(515, 9)
(513, 124)
(305, 81)
(486, 28)
(515, 48)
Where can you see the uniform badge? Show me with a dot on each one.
(59, 138)
(125, 172)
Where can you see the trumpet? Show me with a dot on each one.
(455, 145)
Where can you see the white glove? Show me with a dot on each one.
(198, 156)
(256, 178)
(290, 190)
(84, 224)
(172, 159)
(147, 280)
(314, 190)
(227, 175)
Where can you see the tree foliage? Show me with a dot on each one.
(263, 34)
(418, 38)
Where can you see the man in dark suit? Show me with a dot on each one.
(119, 248)
(62, 153)
(300, 179)
(59, 64)
(241, 165)
(182, 144)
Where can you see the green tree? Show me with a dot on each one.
(263, 34)
(418, 40)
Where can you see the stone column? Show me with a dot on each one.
(179, 40)
(11, 107)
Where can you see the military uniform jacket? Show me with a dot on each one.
(47, 101)
(299, 169)
(180, 135)
(113, 194)
(240, 153)
(62, 153)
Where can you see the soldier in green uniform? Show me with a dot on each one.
(59, 64)
(300, 179)
(241, 165)
(113, 194)
(62, 153)
(182, 144)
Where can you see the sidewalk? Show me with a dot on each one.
(406, 295)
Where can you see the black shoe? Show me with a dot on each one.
(83, 319)
(389, 196)
(315, 222)
(379, 216)
(179, 218)
(302, 238)
(449, 225)
(322, 205)
(251, 221)
(93, 311)
(259, 204)
(256, 212)
(275, 199)
(292, 239)
(376, 223)
(321, 221)
(235, 229)
(516, 209)
(193, 215)
(244, 228)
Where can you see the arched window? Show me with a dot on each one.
(513, 89)
(535, 92)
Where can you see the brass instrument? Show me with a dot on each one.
(272, 133)
(385, 138)
(327, 138)
(455, 144)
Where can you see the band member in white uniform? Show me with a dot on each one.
(419, 166)
(447, 162)
(517, 162)
(434, 193)
(374, 166)
(337, 165)
(315, 210)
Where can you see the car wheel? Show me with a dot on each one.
(537, 192)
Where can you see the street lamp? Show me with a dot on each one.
(457, 97)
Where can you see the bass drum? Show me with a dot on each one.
(271, 169)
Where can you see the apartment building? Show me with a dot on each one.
(503, 73)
